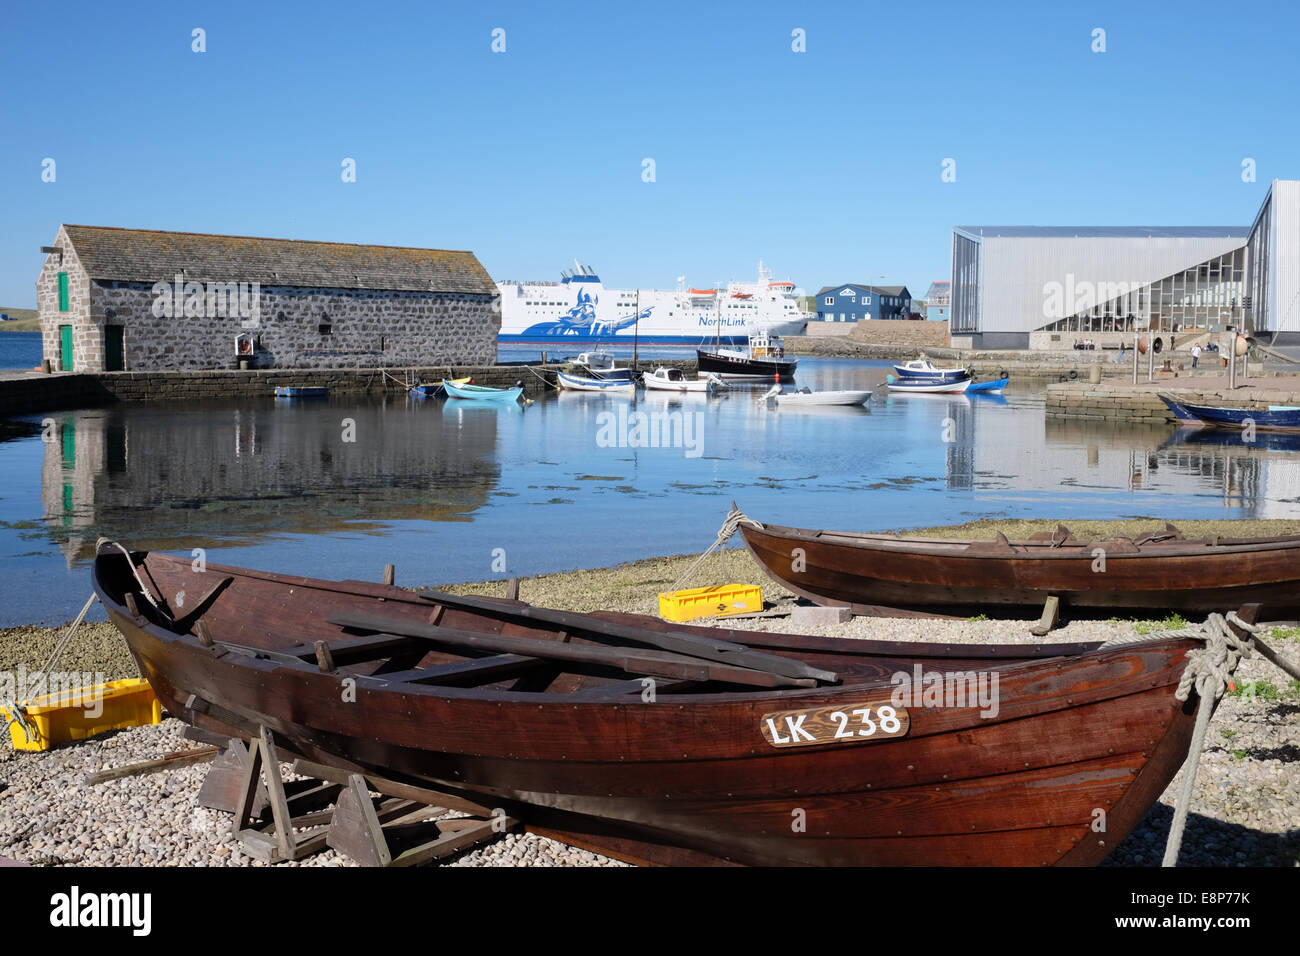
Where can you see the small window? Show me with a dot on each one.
(830, 300)
(325, 329)
(63, 292)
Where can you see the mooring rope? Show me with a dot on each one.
(1209, 670)
(135, 572)
(735, 518)
(16, 709)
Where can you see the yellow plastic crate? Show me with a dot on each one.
(61, 718)
(710, 602)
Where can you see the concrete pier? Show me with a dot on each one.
(1123, 401)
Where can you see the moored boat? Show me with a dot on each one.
(1279, 418)
(674, 380)
(763, 360)
(991, 387)
(924, 369)
(436, 389)
(483, 393)
(923, 386)
(581, 383)
(601, 365)
(301, 391)
(1158, 571)
(808, 397)
(546, 715)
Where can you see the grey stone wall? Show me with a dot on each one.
(306, 328)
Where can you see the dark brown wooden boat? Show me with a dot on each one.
(778, 750)
(1161, 571)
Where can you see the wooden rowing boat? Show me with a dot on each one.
(1161, 571)
(662, 743)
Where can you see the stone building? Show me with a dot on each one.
(142, 300)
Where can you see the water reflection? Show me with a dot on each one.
(178, 477)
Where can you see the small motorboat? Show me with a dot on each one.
(806, 396)
(580, 383)
(601, 365)
(301, 391)
(674, 380)
(924, 369)
(435, 389)
(923, 386)
(993, 387)
(482, 393)
(1277, 418)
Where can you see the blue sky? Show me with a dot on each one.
(825, 164)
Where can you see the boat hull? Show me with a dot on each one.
(578, 383)
(739, 368)
(867, 571)
(501, 395)
(691, 778)
(928, 387)
(822, 398)
(1261, 419)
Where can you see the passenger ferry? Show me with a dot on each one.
(580, 310)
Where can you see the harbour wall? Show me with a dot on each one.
(1125, 402)
(28, 392)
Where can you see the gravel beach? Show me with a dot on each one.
(1246, 809)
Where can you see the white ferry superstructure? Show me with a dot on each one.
(580, 310)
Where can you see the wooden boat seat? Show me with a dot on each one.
(651, 663)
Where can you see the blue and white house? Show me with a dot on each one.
(938, 300)
(855, 301)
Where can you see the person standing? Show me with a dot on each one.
(1196, 355)
(1121, 352)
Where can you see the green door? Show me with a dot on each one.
(113, 352)
(65, 348)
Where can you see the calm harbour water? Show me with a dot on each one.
(20, 350)
(437, 487)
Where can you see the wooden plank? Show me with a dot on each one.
(1051, 617)
(355, 830)
(621, 688)
(221, 785)
(681, 642)
(633, 661)
(481, 670)
(392, 788)
(181, 758)
(390, 575)
(185, 622)
(351, 650)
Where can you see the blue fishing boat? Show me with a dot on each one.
(925, 370)
(301, 391)
(482, 393)
(435, 389)
(993, 387)
(1282, 418)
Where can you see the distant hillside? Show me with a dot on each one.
(24, 320)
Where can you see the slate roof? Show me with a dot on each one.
(878, 289)
(149, 255)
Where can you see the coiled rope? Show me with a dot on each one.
(1208, 672)
(735, 518)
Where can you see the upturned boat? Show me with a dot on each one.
(662, 743)
(1159, 571)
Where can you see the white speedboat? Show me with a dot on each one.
(674, 380)
(808, 397)
(924, 369)
(601, 365)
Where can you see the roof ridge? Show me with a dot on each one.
(223, 235)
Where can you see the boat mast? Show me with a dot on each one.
(636, 332)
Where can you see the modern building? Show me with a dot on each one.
(938, 301)
(142, 300)
(855, 301)
(1047, 286)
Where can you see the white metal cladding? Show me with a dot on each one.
(1283, 288)
(1015, 272)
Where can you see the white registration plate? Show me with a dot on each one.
(840, 724)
